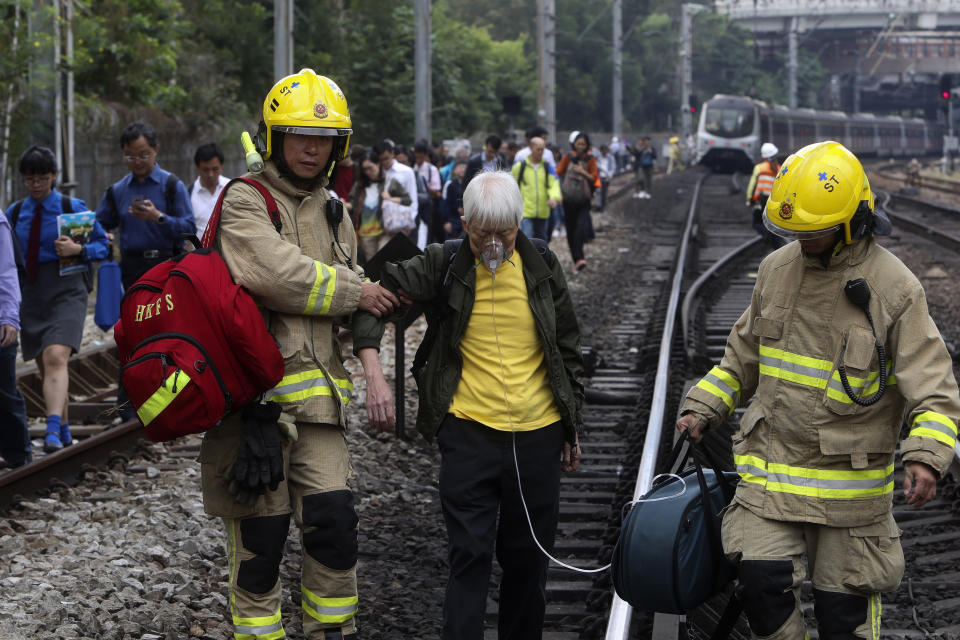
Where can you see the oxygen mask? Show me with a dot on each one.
(492, 253)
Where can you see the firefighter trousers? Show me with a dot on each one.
(849, 568)
(315, 493)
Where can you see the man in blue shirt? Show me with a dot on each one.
(150, 206)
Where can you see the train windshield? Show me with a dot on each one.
(729, 122)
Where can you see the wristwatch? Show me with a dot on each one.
(161, 218)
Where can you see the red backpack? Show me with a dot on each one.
(193, 346)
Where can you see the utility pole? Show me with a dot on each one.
(69, 182)
(617, 68)
(282, 39)
(57, 87)
(546, 70)
(686, 58)
(422, 71)
(792, 62)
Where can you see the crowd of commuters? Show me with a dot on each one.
(144, 214)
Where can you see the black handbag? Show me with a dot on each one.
(669, 557)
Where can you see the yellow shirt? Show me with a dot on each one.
(480, 393)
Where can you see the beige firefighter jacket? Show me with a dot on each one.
(804, 450)
(303, 285)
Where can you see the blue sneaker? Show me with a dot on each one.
(51, 442)
(65, 438)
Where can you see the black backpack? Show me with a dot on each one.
(424, 200)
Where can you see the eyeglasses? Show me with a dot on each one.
(141, 157)
(36, 180)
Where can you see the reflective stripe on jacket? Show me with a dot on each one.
(303, 284)
(804, 450)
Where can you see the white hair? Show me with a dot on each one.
(492, 199)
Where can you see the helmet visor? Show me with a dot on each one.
(792, 234)
(312, 131)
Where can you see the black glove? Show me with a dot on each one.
(259, 465)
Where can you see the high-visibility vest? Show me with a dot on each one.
(766, 175)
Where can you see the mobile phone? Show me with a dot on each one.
(137, 200)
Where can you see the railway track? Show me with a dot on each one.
(97, 431)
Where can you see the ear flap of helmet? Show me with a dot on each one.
(862, 223)
(260, 140)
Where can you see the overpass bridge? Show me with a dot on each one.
(883, 55)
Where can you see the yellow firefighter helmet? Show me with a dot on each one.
(307, 104)
(817, 192)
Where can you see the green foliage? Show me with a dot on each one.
(129, 50)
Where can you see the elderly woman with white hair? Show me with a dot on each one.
(497, 376)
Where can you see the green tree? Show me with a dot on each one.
(129, 51)
(16, 105)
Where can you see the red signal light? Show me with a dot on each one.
(945, 95)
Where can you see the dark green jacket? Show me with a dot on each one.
(422, 278)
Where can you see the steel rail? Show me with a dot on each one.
(618, 622)
(685, 320)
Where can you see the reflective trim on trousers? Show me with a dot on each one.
(931, 424)
(815, 483)
(326, 281)
(306, 384)
(722, 385)
(266, 628)
(175, 383)
(328, 610)
(875, 610)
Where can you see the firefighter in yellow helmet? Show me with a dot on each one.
(287, 455)
(837, 351)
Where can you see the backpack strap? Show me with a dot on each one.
(214, 223)
(170, 192)
(15, 214)
(66, 203)
(438, 314)
(18, 258)
(112, 201)
(523, 167)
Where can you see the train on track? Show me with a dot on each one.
(732, 128)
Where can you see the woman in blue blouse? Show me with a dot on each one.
(54, 306)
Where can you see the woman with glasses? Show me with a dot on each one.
(54, 306)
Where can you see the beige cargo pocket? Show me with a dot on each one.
(771, 328)
(857, 352)
(751, 418)
(875, 560)
(217, 455)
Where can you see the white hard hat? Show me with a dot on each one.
(768, 150)
(615, 139)
(573, 136)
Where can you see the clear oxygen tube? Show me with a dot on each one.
(493, 255)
